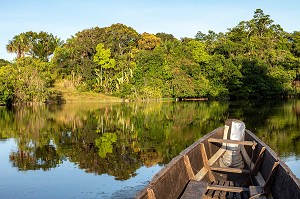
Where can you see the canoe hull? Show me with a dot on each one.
(171, 182)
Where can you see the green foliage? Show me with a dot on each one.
(148, 74)
(37, 45)
(120, 38)
(148, 41)
(74, 60)
(148, 92)
(262, 51)
(182, 85)
(26, 81)
(4, 62)
(102, 57)
(165, 37)
(284, 78)
(19, 45)
(6, 85)
(244, 62)
(104, 143)
(254, 59)
(295, 38)
(198, 52)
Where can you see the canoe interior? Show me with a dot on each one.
(182, 173)
(285, 184)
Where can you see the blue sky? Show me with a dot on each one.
(182, 18)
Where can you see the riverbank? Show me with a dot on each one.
(68, 94)
(64, 92)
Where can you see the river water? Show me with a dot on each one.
(113, 150)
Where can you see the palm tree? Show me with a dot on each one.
(19, 44)
(43, 45)
(38, 45)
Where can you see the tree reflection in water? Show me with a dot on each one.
(43, 157)
(120, 138)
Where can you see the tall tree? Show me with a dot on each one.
(148, 41)
(37, 45)
(165, 36)
(104, 60)
(19, 45)
(43, 44)
(74, 59)
(120, 38)
(295, 39)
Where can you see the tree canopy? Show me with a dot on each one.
(254, 59)
(37, 45)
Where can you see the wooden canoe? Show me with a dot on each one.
(195, 172)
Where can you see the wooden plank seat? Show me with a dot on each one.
(221, 189)
(231, 170)
(226, 189)
(222, 141)
(218, 189)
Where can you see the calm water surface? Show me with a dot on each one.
(113, 150)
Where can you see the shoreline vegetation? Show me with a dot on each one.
(256, 59)
(69, 94)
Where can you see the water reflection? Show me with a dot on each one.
(114, 139)
(41, 157)
(276, 123)
(118, 139)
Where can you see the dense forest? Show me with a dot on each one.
(255, 59)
